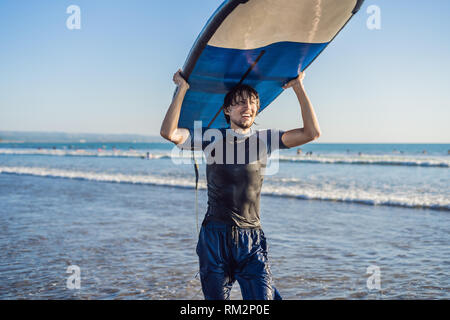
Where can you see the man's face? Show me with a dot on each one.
(244, 111)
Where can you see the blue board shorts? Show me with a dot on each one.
(229, 253)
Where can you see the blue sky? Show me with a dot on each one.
(114, 74)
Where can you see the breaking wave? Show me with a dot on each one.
(348, 195)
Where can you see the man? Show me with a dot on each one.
(231, 244)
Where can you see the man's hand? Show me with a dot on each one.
(179, 80)
(169, 128)
(297, 82)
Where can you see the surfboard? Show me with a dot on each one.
(262, 43)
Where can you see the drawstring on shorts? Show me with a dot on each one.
(235, 235)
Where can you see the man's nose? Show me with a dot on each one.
(248, 105)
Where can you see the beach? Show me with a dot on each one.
(129, 223)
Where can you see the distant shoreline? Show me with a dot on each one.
(64, 137)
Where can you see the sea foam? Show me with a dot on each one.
(299, 191)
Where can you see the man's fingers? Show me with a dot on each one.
(178, 79)
(292, 82)
(288, 84)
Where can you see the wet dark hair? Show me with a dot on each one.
(238, 93)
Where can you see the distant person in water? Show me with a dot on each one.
(231, 244)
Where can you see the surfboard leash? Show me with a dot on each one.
(196, 189)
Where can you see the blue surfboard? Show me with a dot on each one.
(262, 43)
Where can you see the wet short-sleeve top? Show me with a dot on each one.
(235, 166)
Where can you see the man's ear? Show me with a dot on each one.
(226, 110)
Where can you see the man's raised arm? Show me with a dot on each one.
(169, 127)
(311, 129)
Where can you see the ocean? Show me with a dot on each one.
(123, 215)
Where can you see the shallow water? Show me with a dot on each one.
(137, 241)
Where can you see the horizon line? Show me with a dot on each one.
(158, 136)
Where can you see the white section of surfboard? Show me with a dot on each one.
(259, 23)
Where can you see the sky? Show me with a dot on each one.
(114, 74)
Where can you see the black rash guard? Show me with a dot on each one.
(235, 169)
